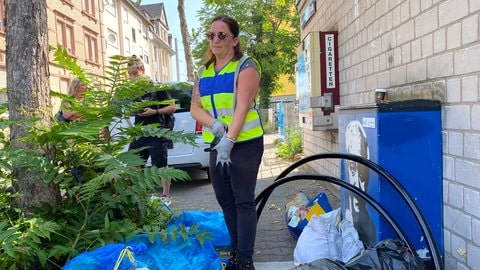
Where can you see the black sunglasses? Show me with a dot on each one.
(220, 35)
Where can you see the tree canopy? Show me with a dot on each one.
(269, 33)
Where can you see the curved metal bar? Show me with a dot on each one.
(398, 230)
(263, 196)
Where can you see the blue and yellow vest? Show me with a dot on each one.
(218, 98)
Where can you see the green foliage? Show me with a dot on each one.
(268, 126)
(269, 32)
(111, 202)
(291, 147)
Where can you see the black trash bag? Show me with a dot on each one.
(322, 264)
(389, 254)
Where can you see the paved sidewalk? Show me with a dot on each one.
(274, 245)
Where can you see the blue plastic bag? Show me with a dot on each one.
(139, 252)
(177, 254)
(108, 256)
(213, 222)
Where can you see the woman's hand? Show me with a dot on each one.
(218, 128)
(148, 112)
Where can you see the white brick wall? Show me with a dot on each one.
(476, 120)
(476, 231)
(426, 49)
(472, 201)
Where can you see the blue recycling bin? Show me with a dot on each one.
(405, 138)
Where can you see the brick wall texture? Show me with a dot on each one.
(426, 49)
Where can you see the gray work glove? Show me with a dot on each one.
(218, 128)
(224, 163)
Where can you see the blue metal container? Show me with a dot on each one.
(405, 138)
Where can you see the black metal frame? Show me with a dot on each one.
(262, 198)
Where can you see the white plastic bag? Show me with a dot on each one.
(319, 239)
(351, 244)
(327, 236)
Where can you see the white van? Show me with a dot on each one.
(186, 156)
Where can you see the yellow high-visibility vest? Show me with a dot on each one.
(218, 98)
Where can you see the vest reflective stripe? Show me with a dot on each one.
(225, 112)
(218, 98)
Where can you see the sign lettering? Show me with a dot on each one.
(330, 60)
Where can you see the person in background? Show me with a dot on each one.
(77, 90)
(223, 101)
(157, 147)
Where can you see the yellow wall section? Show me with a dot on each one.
(287, 89)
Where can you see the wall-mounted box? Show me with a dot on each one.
(317, 82)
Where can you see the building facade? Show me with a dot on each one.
(131, 29)
(416, 50)
(3, 56)
(161, 42)
(94, 30)
(77, 26)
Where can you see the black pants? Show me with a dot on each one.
(157, 150)
(236, 194)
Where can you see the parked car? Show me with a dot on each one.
(183, 156)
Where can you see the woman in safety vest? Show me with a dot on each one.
(223, 101)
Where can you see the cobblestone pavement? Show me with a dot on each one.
(274, 242)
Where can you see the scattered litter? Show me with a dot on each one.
(273, 206)
(301, 209)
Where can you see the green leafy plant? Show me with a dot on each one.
(291, 147)
(268, 126)
(111, 202)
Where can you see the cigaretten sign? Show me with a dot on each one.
(317, 81)
(330, 60)
(329, 65)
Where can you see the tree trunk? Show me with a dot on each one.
(186, 41)
(28, 91)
